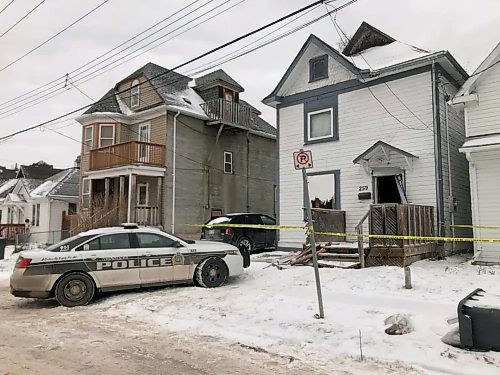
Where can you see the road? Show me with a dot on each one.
(40, 337)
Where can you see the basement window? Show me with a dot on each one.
(318, 68)
(228, 162)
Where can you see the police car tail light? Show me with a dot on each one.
(23, 262)
(229, 232)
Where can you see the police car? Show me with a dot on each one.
(119, 258)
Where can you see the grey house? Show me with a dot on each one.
(172, 151)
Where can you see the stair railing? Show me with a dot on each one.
(361, 246)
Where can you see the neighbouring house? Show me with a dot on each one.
(384, 143)
(6, 174)
(479, 98)
(162, 150)
(45, 202)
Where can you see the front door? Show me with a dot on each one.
(390, 189)
(113, 261)
(144, 136)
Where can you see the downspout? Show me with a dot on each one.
(438, 157)
(173, 170)
(451, 203)
(247, 172)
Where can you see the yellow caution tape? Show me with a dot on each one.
(342, 234)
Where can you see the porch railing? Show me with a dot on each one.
(10, 231)
(401, 220)
(228, 112)
(133, 152)
(147, 216)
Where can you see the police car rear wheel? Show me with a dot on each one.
(74, 290)
(212, 272)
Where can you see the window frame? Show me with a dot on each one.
(139, 185)
(336, 187)
(88, 193)
(230, 163)
(312, 62)
(113, 139)
(35, 215)
(135, 92)
(328, 136)
(86, 147)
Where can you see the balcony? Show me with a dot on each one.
(127, 153)
(228, 112)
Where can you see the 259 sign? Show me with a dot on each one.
(363, 188)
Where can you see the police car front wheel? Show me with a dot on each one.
(212, 272)
(74, 289)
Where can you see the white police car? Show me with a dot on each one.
(120, 258)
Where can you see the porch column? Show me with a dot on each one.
(106, 192)
(132, 186)
(121, 200)
(159, 201)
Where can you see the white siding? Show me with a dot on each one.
(298, 81)
(484, 118)
(362, 122)
(485, 171)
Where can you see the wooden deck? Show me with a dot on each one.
(126, 153)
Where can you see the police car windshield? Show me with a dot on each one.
(68, 243)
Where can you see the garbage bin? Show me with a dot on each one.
(479, 321)
(3, 241)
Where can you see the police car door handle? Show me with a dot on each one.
(92, 256)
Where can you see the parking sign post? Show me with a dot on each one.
(303, 160)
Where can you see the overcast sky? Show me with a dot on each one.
(468, 29)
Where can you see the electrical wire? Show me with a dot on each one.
(5, 7)
(52, 37)
(22, 18)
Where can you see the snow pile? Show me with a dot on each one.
(274, 309)
(380, 57)
(7, 264)
(47, 186)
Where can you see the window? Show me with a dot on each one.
(86, 193)
(266, 220)
(324, 189)
(318, 68)
(143, 194)
(106, 135)
(35, 216)
(134, 93)
(228, 162)
(89, 137)
(151, 240)
(68, 244)
(108, 242)
(320, 124)
(71, 208)
(253, 219)
(144, 136)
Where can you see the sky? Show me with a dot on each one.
(468, 29)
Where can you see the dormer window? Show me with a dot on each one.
(318, 68)
(134, 93)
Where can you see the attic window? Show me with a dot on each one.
(318, 68)
(134, 93)
(186, 100)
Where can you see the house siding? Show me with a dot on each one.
(362, 122)
(484, 117)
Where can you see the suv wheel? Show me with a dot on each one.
(245, 244)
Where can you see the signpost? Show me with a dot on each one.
(303, 160)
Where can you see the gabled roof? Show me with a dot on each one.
(7, 187)
(366, 37)
(379, 148)
(217, 77)
(108, 103)
(64, 183)
(371, 53)
(40, 171)
(492, 59)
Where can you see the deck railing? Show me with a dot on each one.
(133, 152)
(10, 231)
(147, 216)
(228, 112)
(401, 220)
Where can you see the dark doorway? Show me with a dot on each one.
(387, 190)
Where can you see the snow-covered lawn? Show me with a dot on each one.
(273, 309)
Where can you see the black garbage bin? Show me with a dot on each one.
(479, 321)
(3, 241)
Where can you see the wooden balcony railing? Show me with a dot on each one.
(228, 112)
(132, 152)
(147, 216)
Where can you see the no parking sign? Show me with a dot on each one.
(303, 159)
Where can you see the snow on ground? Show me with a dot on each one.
(274, 309)
(7, 264)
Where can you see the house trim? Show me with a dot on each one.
(141, 170)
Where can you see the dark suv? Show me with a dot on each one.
(248, 239)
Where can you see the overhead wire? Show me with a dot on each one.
(5, 7)
(22, 18)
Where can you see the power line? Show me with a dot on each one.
(149, 81)
(484, 70)
(5, 7)
(59, 90)
(53, 36)
(22, 18)
(2, 105)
